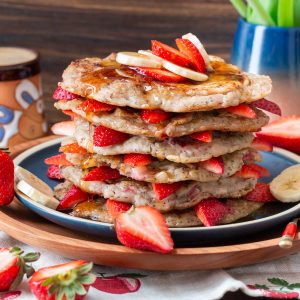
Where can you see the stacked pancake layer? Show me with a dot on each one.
(178, 159)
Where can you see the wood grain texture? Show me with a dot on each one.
(64, 30)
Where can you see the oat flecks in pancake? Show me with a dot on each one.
(179, 125)
(97, 79)
(190, 152)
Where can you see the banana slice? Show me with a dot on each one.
(192, 38)
(135, 59)
(150, 54)
(187, 73)
(286, 186)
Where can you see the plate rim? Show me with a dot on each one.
(24, 155)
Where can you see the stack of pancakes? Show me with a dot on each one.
(178, 159)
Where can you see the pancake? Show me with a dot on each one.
(181, 150)
(129, 121)
(141, 193)
(107, 81)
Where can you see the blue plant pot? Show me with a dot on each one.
(273, 51)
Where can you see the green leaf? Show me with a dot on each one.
(80, 290)
(132, 275)
(261, 286)
(297, 13)
(84, 269)
(29, 270)
(31, 257)
(259, 14)
(88, 279)
(294, 286)
(278, 281)
(240, 6)
(286, 13)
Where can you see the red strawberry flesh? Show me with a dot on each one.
(8, 269)
(6, 179)
(104, 136)
(59, 159)
(267, 105)
(261, 145)
(163, 190)
(94, 106)
(215, 165)
(53, 172)
(242, 110)
(102, 173)
(72, 148)
(137, 159)
(203, 136)
(154, 116)
(61, 94)
(116, 207)
(248, 172)
(261, 193)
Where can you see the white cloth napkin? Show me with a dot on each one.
(188, 285)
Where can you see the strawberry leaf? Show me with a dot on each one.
(293, 286)
(31, 257)
(261, 286)
(132, 275)
(278, 281)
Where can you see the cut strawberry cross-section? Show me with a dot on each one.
(248, 172)
(70, 113)
(261, 145)
(215, 165)
(211, 211)
(242, 110)
(267, 105)
(64, 128)
(61, 94)
(72, 148)
(115, 207)
(203, 136)
(261, 193)
(263, 172)
(137, 159)
(284, 132)
(101, 173)
(59, 159)
(94, 106)
(104, 136)
(53, 172)
(144, 228)
(154, 116)
(163, 190)
(159, 74)
(190, 50)
(170, 54)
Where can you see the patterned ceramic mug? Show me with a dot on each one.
(21, 104)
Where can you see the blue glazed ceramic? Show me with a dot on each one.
(273, 51)
(33, 158)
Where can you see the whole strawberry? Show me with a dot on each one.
(6, 179)
(13, 266)
(70, 281)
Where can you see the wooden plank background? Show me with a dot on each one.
(63, 30)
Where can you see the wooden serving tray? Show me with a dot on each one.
(25, 226)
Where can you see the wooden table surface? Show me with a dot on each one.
(64, 30)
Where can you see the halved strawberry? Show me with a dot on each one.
(159, 74)
(104, 136)
(203, 136)
(211, 211)
(61, 94)
(215, 165)
(154, 116)
(261, 193)
(70, 113)
(190, 50)
(53, 172)
(72, 148)
(144, 228)
(171, 54)
(94, 106)
(261, 145)
(65, 282)
(248, 172)
(163, 190)
(267, 105)
(284, 132)
(115, 207)
(73, 196)
(242, 110)
(59, 159)
(64, 128)
(137, 159)
(101, 173)
(262, 171)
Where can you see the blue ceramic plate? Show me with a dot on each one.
(271, 215)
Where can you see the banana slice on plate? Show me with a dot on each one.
(135, 59)
(34, 188)
(286, 186)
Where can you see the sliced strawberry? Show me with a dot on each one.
(104, 136)
(6, 179)
(67, 281)
(170, 54)
(163, 190)
(211, 211)
(154, 116)
(59, 160)
(248, 172)
(261, 145)
(102, 173)
(64, 128)
(262, 171)
(137, 159)
(284, 132)
(70, 113)
(215, 165)
(159, 74)
(72, 148)
(144, 228)
(91, 105)
(242, 110)
(190, 50)
(203, 136)
(54, 172)
(116, 207)
(73, 196)
(261, 193)
(267, 105)
(61, 94)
